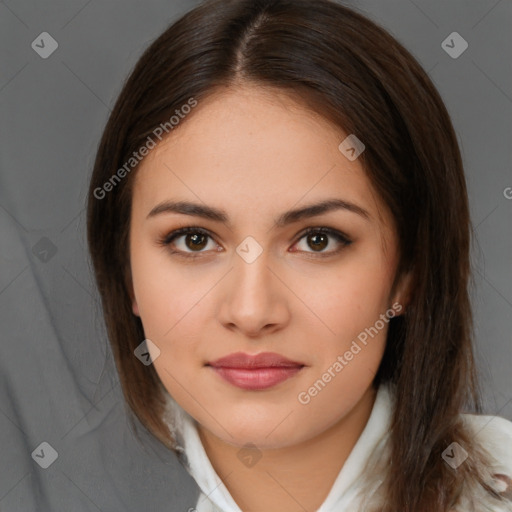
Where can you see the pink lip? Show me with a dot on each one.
(261, 371)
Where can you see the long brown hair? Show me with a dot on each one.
(351, 71)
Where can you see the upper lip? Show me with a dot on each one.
(262, 360)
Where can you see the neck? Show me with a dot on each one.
(294, 478)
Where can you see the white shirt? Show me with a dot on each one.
(494, 432)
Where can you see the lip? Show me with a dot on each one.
(255, 372)
(248, 361)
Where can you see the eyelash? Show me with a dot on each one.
(337, 235)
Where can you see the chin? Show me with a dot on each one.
(261, 435)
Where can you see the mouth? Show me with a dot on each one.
(255, 372)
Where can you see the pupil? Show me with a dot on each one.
(319, 241)
(197, 240)
(316, 242)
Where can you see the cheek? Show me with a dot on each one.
(330, 395)
(348, 300)
(164, 295)
(173, 318)
(349, 307)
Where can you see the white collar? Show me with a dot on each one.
(192, 455)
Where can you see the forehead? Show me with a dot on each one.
(255, 148)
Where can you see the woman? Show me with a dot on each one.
(279, 227)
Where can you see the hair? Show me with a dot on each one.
(346, 68)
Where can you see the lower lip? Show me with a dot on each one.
(259, 378)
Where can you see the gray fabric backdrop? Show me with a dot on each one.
(59, 385)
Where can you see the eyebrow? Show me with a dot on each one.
(289, 217)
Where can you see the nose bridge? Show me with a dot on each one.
(253, 299)
(252, 286)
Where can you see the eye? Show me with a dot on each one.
(194, 240)
(318, 240)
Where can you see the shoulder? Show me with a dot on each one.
(494, 434)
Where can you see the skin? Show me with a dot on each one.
(256, 153)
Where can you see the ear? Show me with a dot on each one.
(402, 294)
(135, 308)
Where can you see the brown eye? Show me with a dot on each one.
(194, 240)
(197, 241)
(317, 239)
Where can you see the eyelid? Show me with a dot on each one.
(334, 232)
(341, 238)
(175, 233)
(338, 235)
(167, 239)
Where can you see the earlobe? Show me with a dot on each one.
(403, 292)
(131, 294)
(135, 306)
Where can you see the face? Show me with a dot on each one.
(312, 287)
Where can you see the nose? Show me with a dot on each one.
(254, 298)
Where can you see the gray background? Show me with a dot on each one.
(58, 382)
